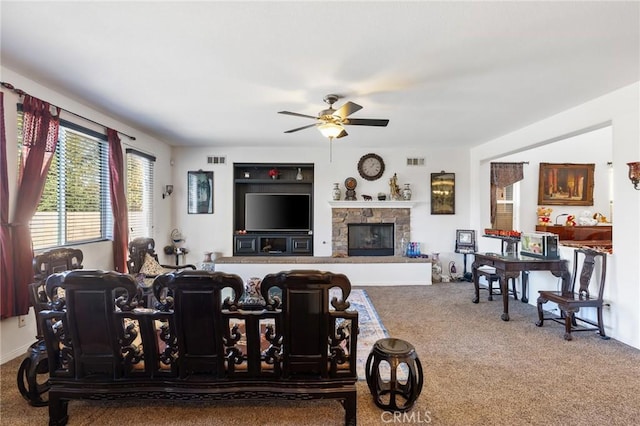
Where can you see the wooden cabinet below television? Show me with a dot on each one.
(579, 233)
(272, 244)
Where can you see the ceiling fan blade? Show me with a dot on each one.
(342, 134)
(297, 114)
(301, 128)
(347, 109)
(366, 122)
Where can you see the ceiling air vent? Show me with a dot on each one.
(216, 160)
(415, 161)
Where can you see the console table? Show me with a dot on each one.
(510, 267)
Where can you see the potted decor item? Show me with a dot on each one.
(274, 173)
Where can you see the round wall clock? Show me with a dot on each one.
(371, 166)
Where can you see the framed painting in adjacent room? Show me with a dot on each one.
(443, 193)
(200, 192)
(565, 184)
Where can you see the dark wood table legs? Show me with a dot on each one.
(511, 267)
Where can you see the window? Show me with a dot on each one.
(508, 202)
(75, 206)
(140, 193)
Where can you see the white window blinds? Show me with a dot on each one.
(75, 206)
(140, 193)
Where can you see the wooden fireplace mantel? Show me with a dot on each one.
(372, 204)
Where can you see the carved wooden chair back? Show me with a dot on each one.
(197, 303)
(586, 281)
(315, 334)
(87, 310)
(45, 264)
(138, 248)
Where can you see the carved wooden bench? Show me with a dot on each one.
(198, 345)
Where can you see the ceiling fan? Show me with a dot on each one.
(331, 122)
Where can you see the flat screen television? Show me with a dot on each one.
(277, 212)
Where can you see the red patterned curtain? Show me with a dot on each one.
(118, 202)
(39, 140)
(503, 174)
(6, 264)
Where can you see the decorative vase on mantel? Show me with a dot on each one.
(406, 192)
(336, 193)
(299, 174)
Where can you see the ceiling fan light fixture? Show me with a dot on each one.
(330, 130)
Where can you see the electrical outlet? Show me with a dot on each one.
(22, 321)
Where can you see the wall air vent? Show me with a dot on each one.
(415, 161)
(216, 160)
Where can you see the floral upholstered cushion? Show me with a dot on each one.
(151, 266)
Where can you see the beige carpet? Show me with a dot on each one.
(479, 370)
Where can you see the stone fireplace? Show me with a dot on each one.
(399, 217)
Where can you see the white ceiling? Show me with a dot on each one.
(215, 73)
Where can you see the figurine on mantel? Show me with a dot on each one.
(394, 189)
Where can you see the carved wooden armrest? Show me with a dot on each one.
(188, 266)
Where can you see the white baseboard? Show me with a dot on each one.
(15, 353)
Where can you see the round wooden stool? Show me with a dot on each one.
(401, 392)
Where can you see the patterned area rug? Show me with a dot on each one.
(371, 328)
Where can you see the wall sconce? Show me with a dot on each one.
(168, 190)
(634, 173)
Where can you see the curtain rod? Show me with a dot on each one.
(22, 93)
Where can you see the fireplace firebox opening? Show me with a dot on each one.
(370, 239)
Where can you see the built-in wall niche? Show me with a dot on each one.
(273, 209)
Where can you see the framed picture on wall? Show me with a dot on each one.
(200, 192)
(443, 193)
(565, 184)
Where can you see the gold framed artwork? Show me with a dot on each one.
(443, 193)
(565, 184)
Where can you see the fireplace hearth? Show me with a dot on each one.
(370, 239)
